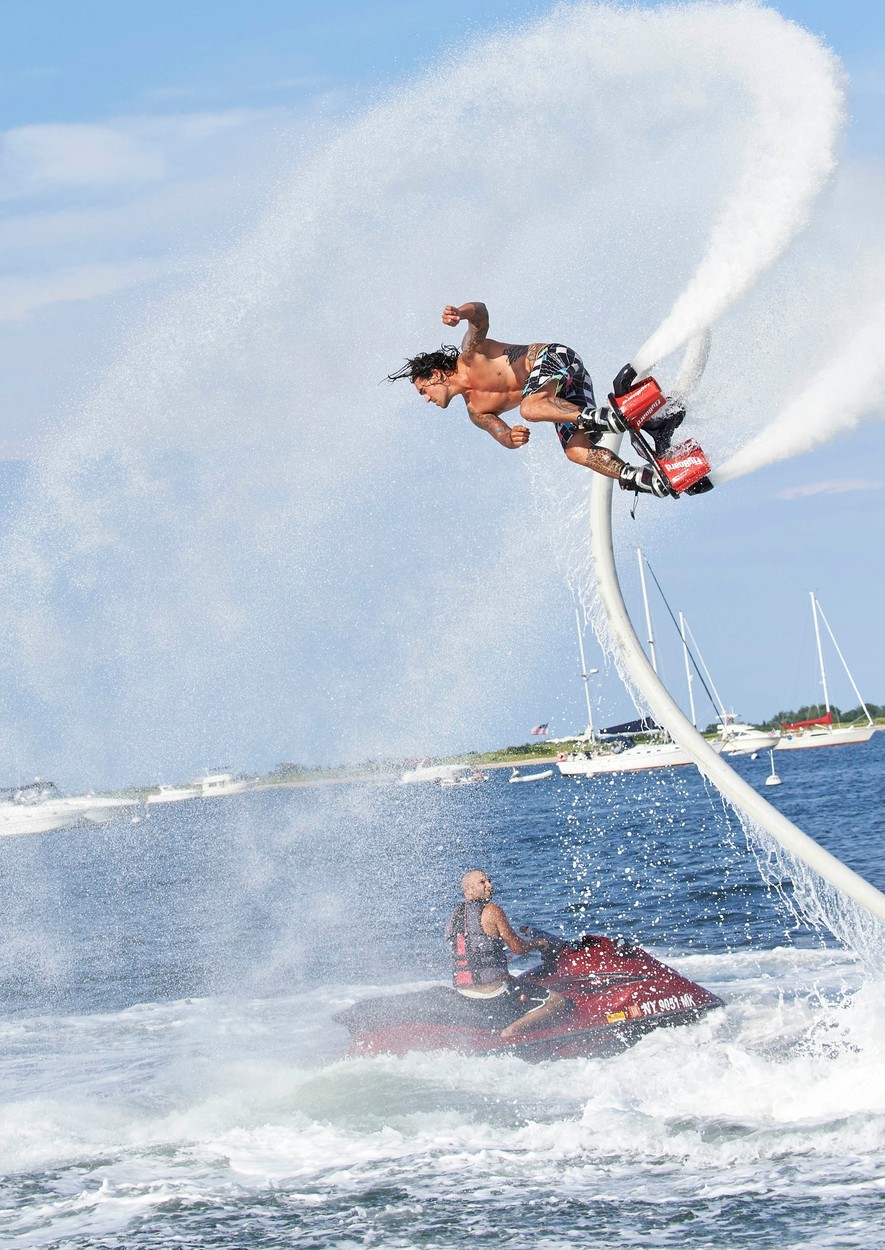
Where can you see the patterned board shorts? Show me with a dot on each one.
(574, 384)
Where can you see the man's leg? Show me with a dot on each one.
(638, 478)
(554, 1004)
(584, 427)
(546, 405)
(579, 451)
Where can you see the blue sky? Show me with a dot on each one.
(135, 139)
(138, 142)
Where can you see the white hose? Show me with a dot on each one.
(668, 714)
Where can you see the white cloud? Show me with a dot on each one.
(124, 152)
(95, 214)
(25, 294)
(36, 158)
(838, 486)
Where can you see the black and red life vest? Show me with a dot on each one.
(477, 958)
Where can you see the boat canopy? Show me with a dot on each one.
(805, 724)
(645, 725)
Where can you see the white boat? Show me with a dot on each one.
(97, 809)
(33, 808)
(735, 737)
(516, 775)
(822, 732)
(738, 739)
(174, 794)
(825, 736)
(39, 808)
(219, 785)
(467, 778)
(425, 771)
(634, 759)
(596, 758)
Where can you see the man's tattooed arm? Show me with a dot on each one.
(478, 321)
(499, 430)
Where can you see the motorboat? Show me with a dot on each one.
(425, 771)
(516, 775)
(615, 992)
(738, 739)
(174, 794)
(33, 808)
(97, 809)
(219, 785)
(38, 807)
(467, 778)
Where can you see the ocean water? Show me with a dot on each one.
(172, 1076)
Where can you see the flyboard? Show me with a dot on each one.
(683, 469)
(713, 766)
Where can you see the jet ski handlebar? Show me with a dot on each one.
(553, 945)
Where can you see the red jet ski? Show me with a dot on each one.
(616, 993)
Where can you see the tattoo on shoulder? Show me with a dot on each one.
(514, 352)
(533, 352)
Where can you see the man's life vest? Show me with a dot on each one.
(477, 959)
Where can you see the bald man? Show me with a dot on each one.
(482, 939)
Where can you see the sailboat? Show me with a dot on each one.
(593, 760)
(735, 737)
(821, 732)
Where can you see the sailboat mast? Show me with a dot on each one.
(650, 637)
(820, 651)
(688, 674)
(845, 666)
(723, 715)
(585, 676)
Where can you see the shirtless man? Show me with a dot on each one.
(545, 381)
(480, 936)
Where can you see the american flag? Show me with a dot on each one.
(541, 729)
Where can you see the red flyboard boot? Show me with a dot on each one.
(646, 411)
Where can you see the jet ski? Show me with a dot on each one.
(615, 993)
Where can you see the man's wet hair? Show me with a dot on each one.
(425, 364)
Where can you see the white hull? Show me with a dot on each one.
(432, 772)
(533, 776)
(633, 760)
(826, 737)
(745, 742)
(52, 814)
(173, 794)
(220, 786)
(41, 818)
(98, 811)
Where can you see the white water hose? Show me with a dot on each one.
(712, 765)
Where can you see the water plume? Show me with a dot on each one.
(797, 112)
(246, 547)
(848, 389)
